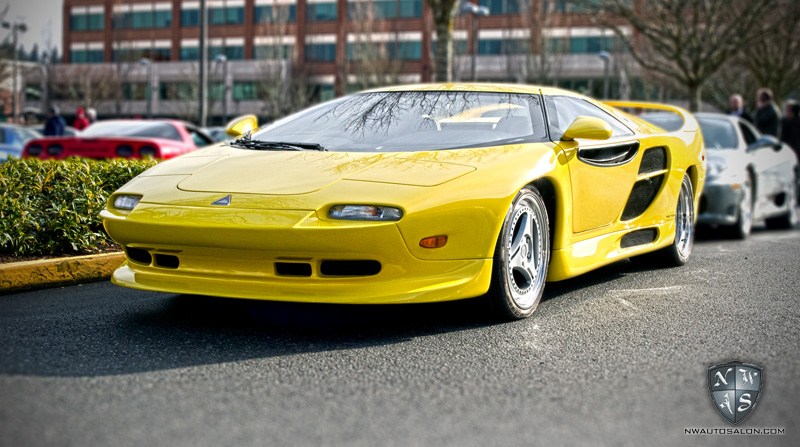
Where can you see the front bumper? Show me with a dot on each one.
(719, 204)
(215, 254)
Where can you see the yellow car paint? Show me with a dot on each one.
(279, 214)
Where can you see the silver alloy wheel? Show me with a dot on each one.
(746, 209)
(525, 254)
(684, 220)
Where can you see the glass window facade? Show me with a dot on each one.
(385, 9)
(502, 6)
(268, 14)
(584, 45)
(226, 15)
(135, 54)
(321, 12)
(503, 46)
(404, 50)
(190, 54)
(143, 19)
(86, 22)
(325, 52)
(232, 53)
(244, 91)
(86, 56)
(177, 91)
(190, 17)
(274, 52)
(134, 91)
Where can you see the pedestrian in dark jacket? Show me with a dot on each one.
(790, 126)
(737, 108)
(54, 127)
(768, 117)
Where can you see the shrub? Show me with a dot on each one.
(52, 207)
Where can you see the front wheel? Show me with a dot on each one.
(521, 257)
(678, 253)
(788, 219)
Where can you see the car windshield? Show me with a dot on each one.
(142, 129)
(413, 121)
(718, 133)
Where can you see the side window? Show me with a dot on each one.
(747, 132)
(4, 138)
(562, 111)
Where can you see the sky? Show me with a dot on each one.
(43, 18)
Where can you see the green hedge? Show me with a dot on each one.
(52, 207)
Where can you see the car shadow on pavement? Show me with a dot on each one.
(143, 331)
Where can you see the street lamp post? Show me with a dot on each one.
(606, 58)
(221, 59)
(16, 28)
(145, 62)
(476, 11)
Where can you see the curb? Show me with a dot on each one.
(27, 275)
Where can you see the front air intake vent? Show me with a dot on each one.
(643, 193)
(139, 255)
(350, 268)
(638, 237)
(653, 160)
(292, 269)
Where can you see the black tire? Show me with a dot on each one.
(521, 257)
(678, 252)
(788, 219)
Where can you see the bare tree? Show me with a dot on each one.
(87, 85)
(686, 40)
(372, 61)
(544, 57)
(775, 63)
(444, 13)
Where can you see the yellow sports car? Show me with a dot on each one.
(414, 194)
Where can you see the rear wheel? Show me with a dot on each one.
(789, 219)
(678, 253)
(521, 257)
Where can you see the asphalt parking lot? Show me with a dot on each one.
(615, 357)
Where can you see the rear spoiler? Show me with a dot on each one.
(689, 123)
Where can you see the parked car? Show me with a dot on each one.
(123, 139)
(750, 177)
(218, 134)
(413, 194)
(13, 139)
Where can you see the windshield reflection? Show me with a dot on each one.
(414, 121)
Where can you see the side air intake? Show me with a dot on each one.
(643, 193)
(638, 237)
(653, 160)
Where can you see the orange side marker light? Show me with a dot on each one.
(433, 242)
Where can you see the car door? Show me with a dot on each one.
(601, 172)
(774, 172)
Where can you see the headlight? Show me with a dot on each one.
(34, 150)
(55, 149)
(365, 212)
(124, 150)
(126, 201)
(716, 166)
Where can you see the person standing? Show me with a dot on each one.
(54, 127)
(736, 108)
(91, 115)
(790, 126)
(768, 117)
(80, 122)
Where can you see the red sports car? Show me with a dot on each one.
(123, 139)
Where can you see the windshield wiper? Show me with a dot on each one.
(245, 143)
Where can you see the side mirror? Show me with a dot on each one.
(767, 141)
(238, 126)
(589, 128)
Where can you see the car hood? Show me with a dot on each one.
(289, 172)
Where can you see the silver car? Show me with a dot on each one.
(749, 177)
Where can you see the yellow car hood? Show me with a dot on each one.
(284, 173)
